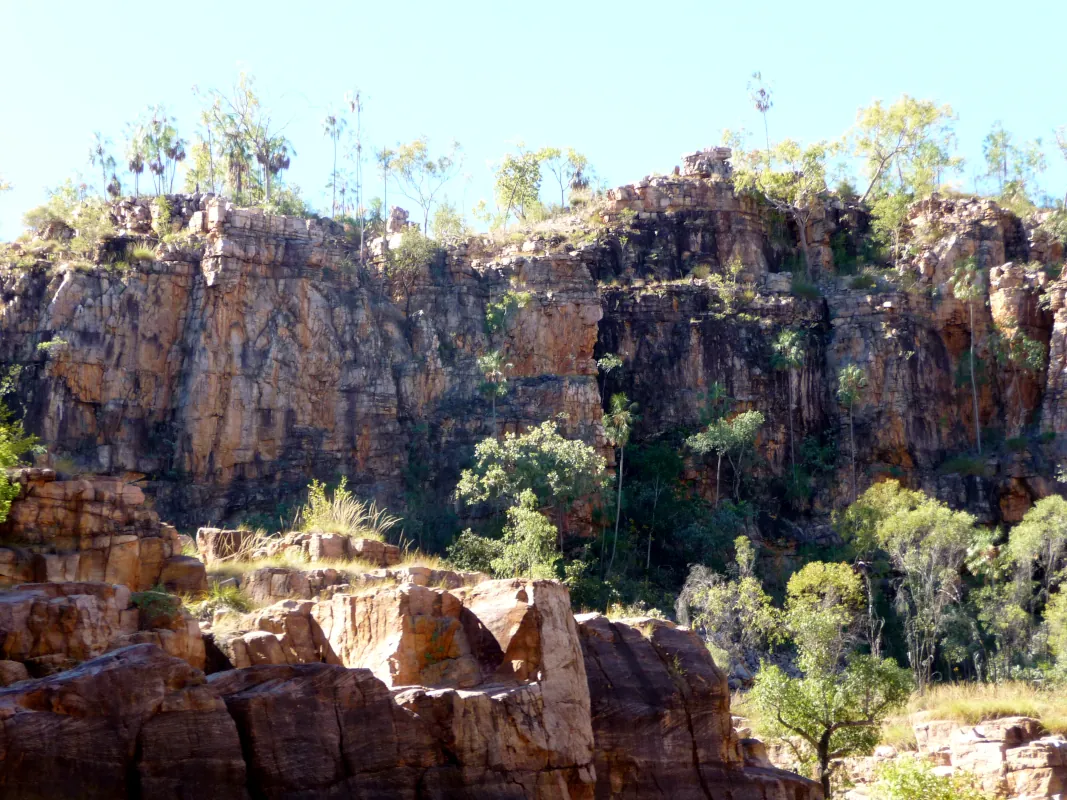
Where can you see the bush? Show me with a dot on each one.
(804, 288)
(863, 281)
(473, 553)
(912, 778)
(963, 465)
(140, 252)
(343, 513)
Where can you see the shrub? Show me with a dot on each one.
(140, 252)
(804, 288)
(912, 778)
(221, 599)
(156, 605)
(499, 312)
(963, 465)
(343, 513)
(863, 281)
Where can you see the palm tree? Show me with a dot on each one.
(100, 157)
(966, 285)
(135, 152)
(332, 126)
(851, 382)
(788, 355)
(618, 423)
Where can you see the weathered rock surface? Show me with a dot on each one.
(50, 627)
(91, 529)
(1012, 757)
(661, 719)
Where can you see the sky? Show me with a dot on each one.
(632, 85)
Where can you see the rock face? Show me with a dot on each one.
(92, 529)
(270, 355)
(50, 627)
(661, 719)
(411, 691)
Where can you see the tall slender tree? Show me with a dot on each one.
(618, 425)
(966, 285)
(100, 157)
(788, 356)
(851, 382)
(760, 94)
(332, 126)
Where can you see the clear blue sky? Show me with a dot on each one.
(633, 85)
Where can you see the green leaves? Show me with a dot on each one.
(787, 350)
(619, 421)
(557, 470)
(851, 381)
(14, 444)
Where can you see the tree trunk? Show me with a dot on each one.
(718, 470)
(824, 763)
(852, 449)
(333, 182)
(974, 385)
(618, 509)
(792, 453)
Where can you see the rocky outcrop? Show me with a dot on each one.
(661, 719)
(90, 529)
(215, 544)
(50, 627)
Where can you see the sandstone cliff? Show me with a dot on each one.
(256, 352)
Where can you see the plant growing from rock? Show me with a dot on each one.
(1022, 355)
(14, 442)
(851, 381)
(787, 355)
(495, 384)
(342, 512)
(618, 424)
(966, 286)
(606, 364)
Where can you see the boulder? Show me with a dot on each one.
(661, 718)
(132, 723)
(184, 575)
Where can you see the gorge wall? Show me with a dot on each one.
(256, 353)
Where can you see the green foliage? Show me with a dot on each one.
(499, 312)
(787, 350)
(81, 223)
(727, 285)
(913, 778)
(528, 547)
(14, 442)
(1056, 620)
(415, 254)
(734, 614)
(448, 223)
(556, 469)
(140, 252)
(823, 603)
(800, 286)
(1037, 547)
(344, 513)
(795, 187)
(1014, 168)
(156, 606)
(422, 176)
(220, 599)
(518, 182)
(732, 438)
(905, 147)
(830, 714)
(473, 553)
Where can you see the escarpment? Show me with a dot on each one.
(257, 351)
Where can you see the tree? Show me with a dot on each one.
(495, 385)
(760, 95)
(569, 169)
(528, 546)
(788, 356)
(354, 101)
(248, 134)
(734, 614)
(828, 714)
(1014, 168)
(100, 156)
(14, 443)
(795, 190)
(1038, 546)
(730, 438)
(927, 544)
(606, 364)
(618, 423)
(421, 176)
(332, 126)
(905, 147)
(966, 285)
(386, 159)
(1056, 620)
(557, 470)
(822, 610)
(518, 182)
(448, 222)
(851, 381)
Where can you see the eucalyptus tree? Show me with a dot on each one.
(421, 176)
(518, 182)
(494, 372)
(730, 438)
(568, 168)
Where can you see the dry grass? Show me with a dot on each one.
(344, 513)
(417, 558)
(971, 703)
